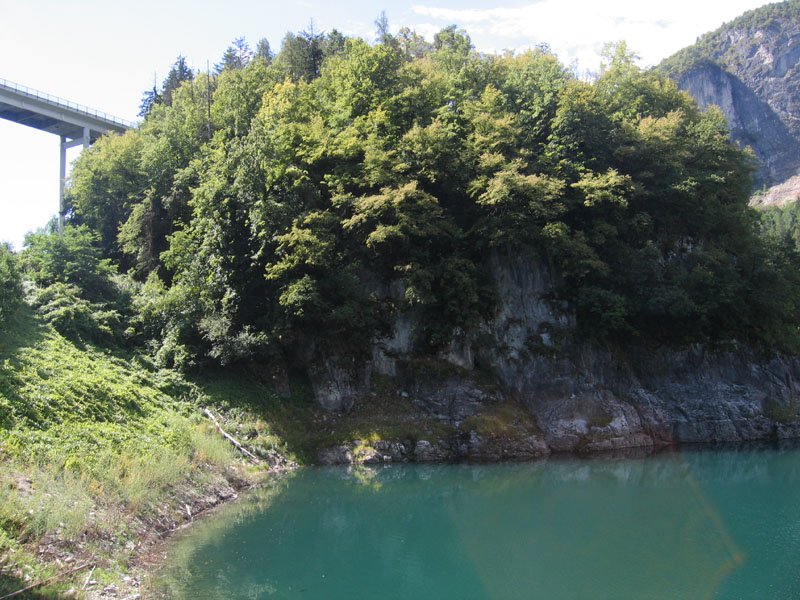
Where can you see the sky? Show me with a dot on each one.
(106, 53)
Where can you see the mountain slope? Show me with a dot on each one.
(750, 67)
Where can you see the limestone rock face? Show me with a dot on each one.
(750, 68)
(450, 397)
(337, 381)
(752, 121)
(579, 397)
(424, 451)
(780, 194)
(337, 455)
(587, 399)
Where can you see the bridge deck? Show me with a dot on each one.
(49, 113)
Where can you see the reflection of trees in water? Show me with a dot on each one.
(608, 527)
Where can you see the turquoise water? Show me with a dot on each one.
(701, 524)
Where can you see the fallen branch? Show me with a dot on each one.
(231, 439)
(43, 581)
(88, 578)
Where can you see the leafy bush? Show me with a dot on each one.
(10, 283)
(74, 317)
(73, 287)
(71, 258)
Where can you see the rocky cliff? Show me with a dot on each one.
(579, 397)
(751, 69)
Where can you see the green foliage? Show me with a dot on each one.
(106, 181)
(711, 47)
(236, 56)
(313, 196)
(782, 224)
(178, 73)
(71, 258)
(95, 449)
(10, 283)
(72, 287)
(74, 317)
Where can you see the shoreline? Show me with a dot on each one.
(149, 556)
(199, 498)
(151, 561)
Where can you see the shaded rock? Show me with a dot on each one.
(447, 398)
(338, 381)
(274, 375)
(337, 455)
(424, 451)
(395, 451)
(581, 397)
(502, 448)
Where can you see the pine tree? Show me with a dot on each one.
(179, 73)
(237, 56)
(264, 52)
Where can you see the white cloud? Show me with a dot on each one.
(578, 29)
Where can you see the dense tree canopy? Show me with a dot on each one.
(289, 199)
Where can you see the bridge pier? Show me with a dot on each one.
(76, 124)
(66, 144)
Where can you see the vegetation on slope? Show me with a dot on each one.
(271, 208)
(717, 46)
(268, 212)
(99, 449)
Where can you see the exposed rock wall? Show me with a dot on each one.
(750, 68)
(753, 122)
(582, 397)
(779, 195)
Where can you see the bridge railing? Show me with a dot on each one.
(56, 101)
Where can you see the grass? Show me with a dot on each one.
(507, 418)
(97, 452)
(101, 450)
(783, 413)
(299, 428)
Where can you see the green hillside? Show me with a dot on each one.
(287, 208)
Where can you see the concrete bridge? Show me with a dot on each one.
(75, 124)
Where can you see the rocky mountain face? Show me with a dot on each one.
(582, 397)
(750, 68)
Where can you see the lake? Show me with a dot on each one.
(722, 524)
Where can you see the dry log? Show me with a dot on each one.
(231, 439)
(88, 579)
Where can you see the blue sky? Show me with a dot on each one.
(105, 53)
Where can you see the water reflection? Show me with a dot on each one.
(721, 524)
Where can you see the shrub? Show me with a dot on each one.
(10, 283)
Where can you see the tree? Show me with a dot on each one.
(10, 283)
(71, 257)
(105, 184)
(301, 55)
(178, 73)
(286, 205)
(237, 56)
(149, 97)
(382, 33)
(264, 52)
(412, 44)
(453, 39)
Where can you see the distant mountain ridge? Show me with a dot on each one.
(750, 67)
